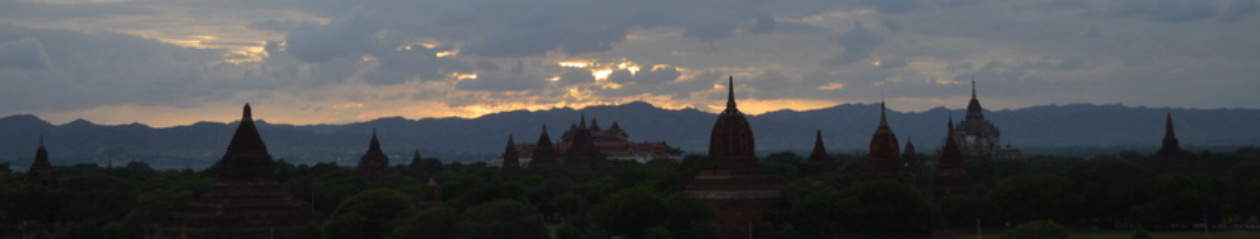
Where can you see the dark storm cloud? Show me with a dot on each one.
(53, 69)
(516, 29)
(647, 80)
(26, 53)
(1239, 9)
(27, 9)
(489, 78)
(858, 44)
(1167, 11)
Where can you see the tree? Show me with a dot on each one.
(884, 208)
(433, 223)
(1028, 198)
(369, 214)
(639, 211)
(1041, 229)
(502, 219)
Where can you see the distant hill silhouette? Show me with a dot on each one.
(846, 129)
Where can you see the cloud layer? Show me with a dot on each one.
(328, 61)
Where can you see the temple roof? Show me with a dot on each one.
(41, 169)
(820, 151)
(510, 156)
(246, 157)
(909, 150)
(544, 152)
(884, 143)
(1170, 145)
(974, 110)
(950, 154)
(732, 137)
(374, 162)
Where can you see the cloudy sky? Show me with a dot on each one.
(172, 62)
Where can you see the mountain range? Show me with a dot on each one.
(846, 129)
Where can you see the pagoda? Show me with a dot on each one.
(417, 168)
(951, 170)
(41, 171)
(544, 154)
(911, 157)
(246, 201)
(978, 137)
(885, 157)
(819, 162)
(1170, 157)
(580, 151)
(374, 163)
(511, 158)
(732, 180)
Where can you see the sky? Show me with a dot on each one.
(176, 62)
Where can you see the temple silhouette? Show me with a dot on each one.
(587, 146)
(732, 180)
(978, 137)
(245, 202)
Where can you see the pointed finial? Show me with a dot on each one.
(248, 114)
(1168, 126)
(41, 140)
(883, 118)
(582, 124)
(375, 144)
(730, 92)
(973, 86)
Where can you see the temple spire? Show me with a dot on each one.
(973, 88)
(1169, 133)
(375, 144)
(883, 118)
(730, 93)
(582, 124)
(247, 114)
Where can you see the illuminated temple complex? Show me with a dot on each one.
(587, 144)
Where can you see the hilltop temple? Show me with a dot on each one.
(884, 153)
(41, 171)
(588, 145)
(246, 201)
(732, 180)
(979, 138)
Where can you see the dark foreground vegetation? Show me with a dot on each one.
(1041, 193)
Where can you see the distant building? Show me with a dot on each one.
(245, 202)
(41, 171)
(951, 169)
(1171, 158)
(819, 162)
(511, 157)
(885, 155)
(583, 144)
(978, 138)
(732, 180)
(374, 163)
